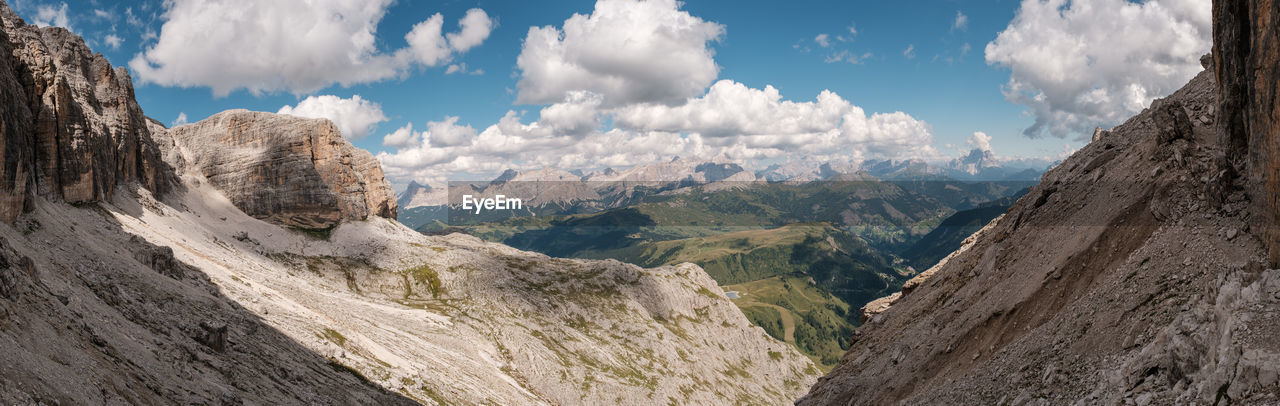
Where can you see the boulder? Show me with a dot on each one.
(213, 335)
(1099, 133)
(1171, 121)
(158, 258)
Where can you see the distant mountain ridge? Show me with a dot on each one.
(550, 191)
(977, 165)
(418, 195)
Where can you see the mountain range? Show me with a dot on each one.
(256, 258)
(253, 258)
(550, 191)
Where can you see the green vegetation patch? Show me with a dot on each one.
(334, 336)
(821, 323)
(340, 367)
(424, 275)
(702, 290)
(767, 318)
(316, 233)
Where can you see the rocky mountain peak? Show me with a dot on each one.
(505, 177)
(72, 130)
(974, 162)
(715, 172)
(546, 175)
(417, 194)
(289, 170)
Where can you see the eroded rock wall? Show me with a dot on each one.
(1246, 38)
(289, 170)
(71, 126)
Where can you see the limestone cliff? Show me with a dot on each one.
(289, 170)
(1246, 43)
(71, 128)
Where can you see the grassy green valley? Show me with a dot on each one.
(792, 309)
(952, 232)
(803, 257)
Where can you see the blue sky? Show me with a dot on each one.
(945, 86)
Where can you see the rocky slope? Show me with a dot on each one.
(436, 319)
(164, 284)
(287, 170)
(1135, 273)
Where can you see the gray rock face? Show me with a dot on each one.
(70, 125)
(1117, 280)
(1246, 49)
(1098, 133)
(288, 170)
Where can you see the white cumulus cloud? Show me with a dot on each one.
(980, 141)
(761, 118)
(448, 132)
(1083, 63)
(475, 28)
(429, 46)
(730, 121)
(112, 41)
(355, 117)
(626, 51)
(961, 22)
(461, 67)
(298, 46)
(50, 15)
(646, 69)
(403, 137)
(426, 41)
(577, 114)
(823, 40)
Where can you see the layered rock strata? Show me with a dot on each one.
(289, 170)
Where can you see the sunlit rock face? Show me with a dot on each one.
(288, 170)
(70, 128)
